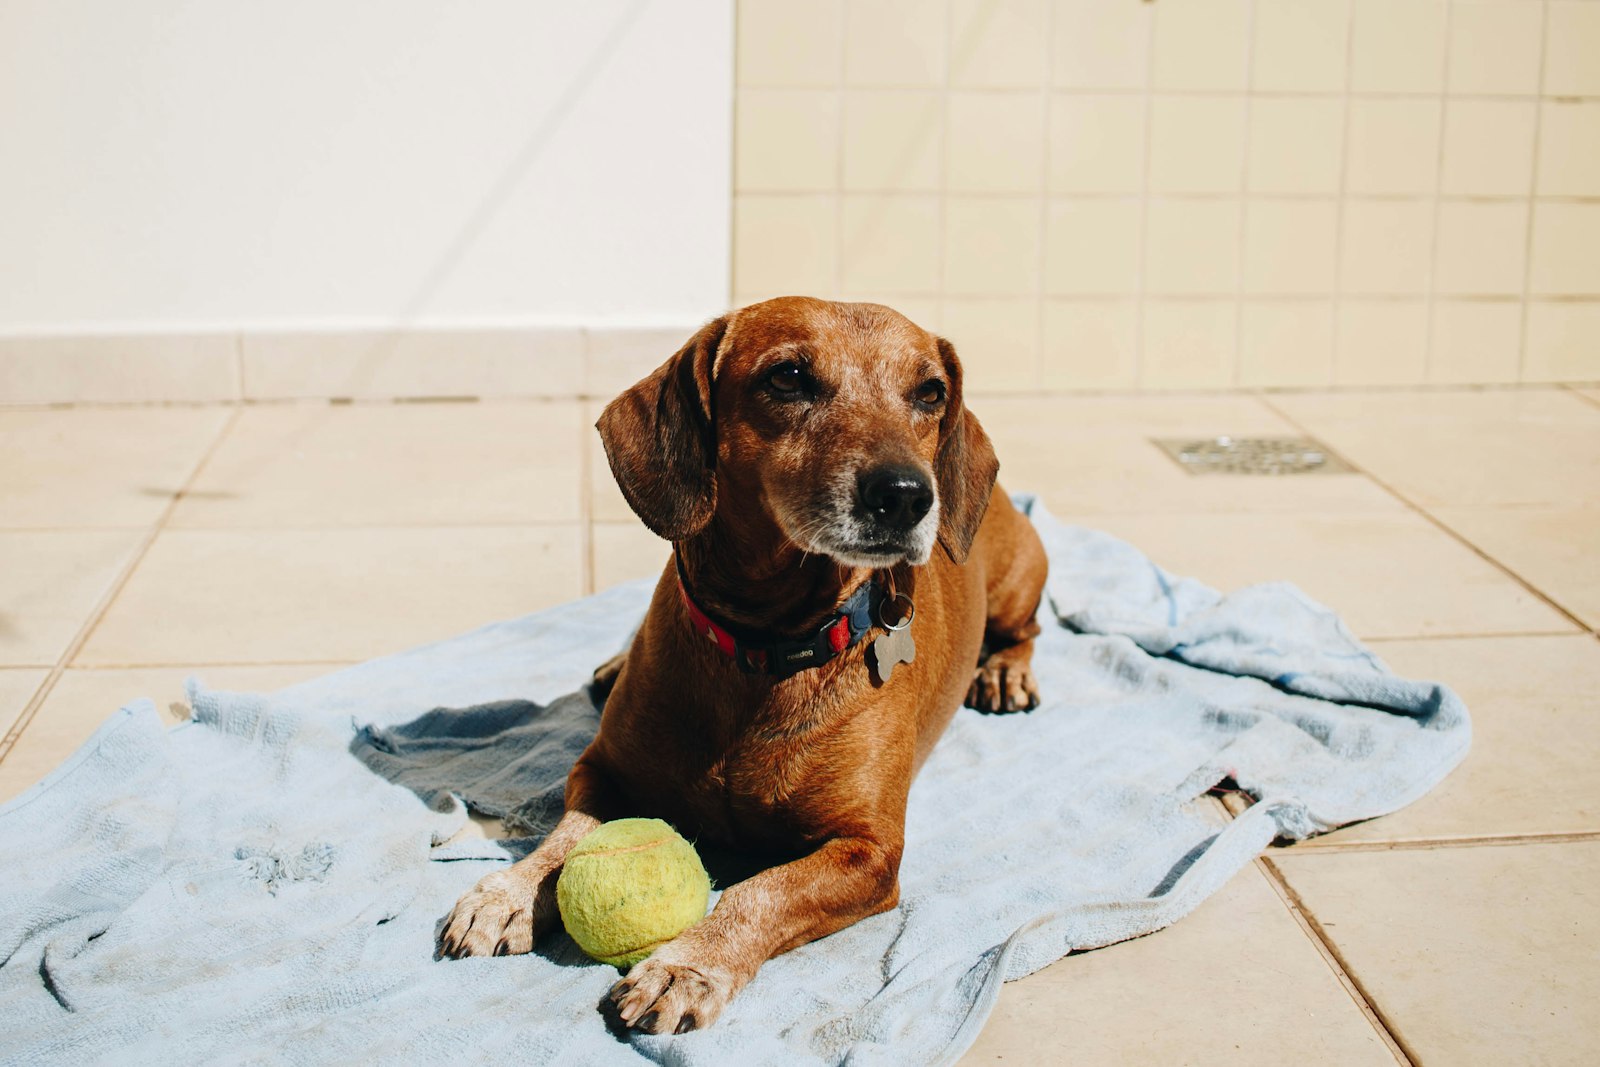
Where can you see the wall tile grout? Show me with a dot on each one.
(1533, 196)
(942, 216)
(1334, 361)
(1438, 189)
(1329, 313)
(1141, 334)
(1132, 194)
(838, 157)
(1242, 247)
(1042, 260)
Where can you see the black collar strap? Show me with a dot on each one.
(762, 654)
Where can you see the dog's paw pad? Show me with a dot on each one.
(1000, 685)
(667, 998)
(496, 918)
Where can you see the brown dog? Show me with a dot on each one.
(806, 459)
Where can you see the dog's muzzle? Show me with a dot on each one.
(894, 498)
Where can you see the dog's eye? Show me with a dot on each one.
(931, 392)
(787, 378)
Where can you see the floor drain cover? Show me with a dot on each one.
(1252, 455)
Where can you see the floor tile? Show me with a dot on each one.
(17, 686)
(624, 551)
(1555, 550)
(1591, 392)
(284, 596)
(1387, 575)
(304, 465)
(1535, 740)
(50, 583)
(1472, 955)
(1464, 448)
(83, 699)
(1237, 982)
(1091, 455)
(99, 466)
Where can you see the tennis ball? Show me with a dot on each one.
(629, 886)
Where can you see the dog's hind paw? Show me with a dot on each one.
(1004, 682)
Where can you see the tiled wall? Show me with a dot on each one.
(1118, 194)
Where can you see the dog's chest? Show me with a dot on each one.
(759, 790)
(754, 778)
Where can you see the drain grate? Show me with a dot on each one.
(1252, 455)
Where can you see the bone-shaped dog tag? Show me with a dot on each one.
(896, 646)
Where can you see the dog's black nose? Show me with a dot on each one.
(896, 496)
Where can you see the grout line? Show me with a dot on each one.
(1432, 844)
(1141, 298)
(1178, 194)
(730, 246)
(842, 79)
(1533, 198)
(207, 665)
(1131, 393)
(1336, 962)
(1042, 357)
(103, 604)
(586, 506)
(1581, 395)
(258, 528)
(942, 224)
(1432, 295)
(1340, 205)
(1110, 296)
(1235, 802)
(1474, 637)
(1439, 523)
(1266, 94)
(1504, 567)
(1242, 233)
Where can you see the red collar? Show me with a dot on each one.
(756, 653)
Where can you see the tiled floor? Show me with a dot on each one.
(259, 545)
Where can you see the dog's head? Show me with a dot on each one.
(843, 422)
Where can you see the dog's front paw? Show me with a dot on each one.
(659, 996)
(501, 916)
(1003, 683)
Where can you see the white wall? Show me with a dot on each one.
(237, 164)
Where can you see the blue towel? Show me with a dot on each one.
(264, 883)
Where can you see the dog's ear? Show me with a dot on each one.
(660, 438)
(966, 466)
